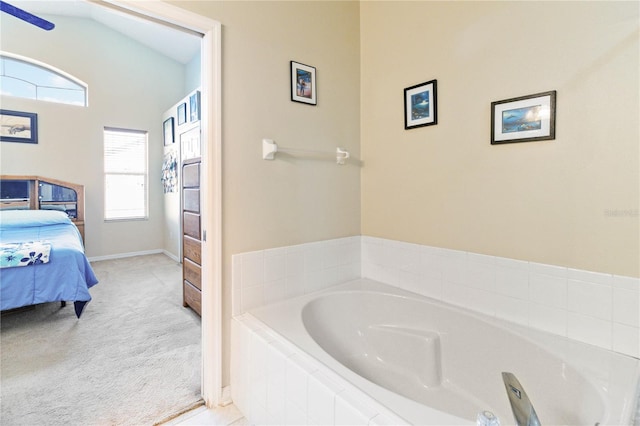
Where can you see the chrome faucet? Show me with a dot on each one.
(521, 406)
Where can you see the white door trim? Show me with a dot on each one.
(211, 174)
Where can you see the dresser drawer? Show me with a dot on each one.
(191, 200)
(191, 224)
(191, 249)
(191, 272)
(191, 175)
(192, 297)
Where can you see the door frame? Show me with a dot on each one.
(211, 173)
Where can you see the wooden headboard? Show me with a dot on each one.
(36, 196)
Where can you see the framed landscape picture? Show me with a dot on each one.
(524, 119)
(18, 126)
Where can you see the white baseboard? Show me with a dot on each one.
(171, 256)
(130, 254)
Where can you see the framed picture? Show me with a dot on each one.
(524, 119)
(194, 107)
(168, 131)
(421, 105)
(182, 113)
(303, 83)
(18, 126)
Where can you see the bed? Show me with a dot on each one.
(41, 252)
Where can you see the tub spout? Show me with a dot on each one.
(521, 406)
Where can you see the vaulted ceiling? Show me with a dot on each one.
(179, 45)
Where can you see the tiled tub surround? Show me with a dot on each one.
(594, 308)
(280, 374)
(267, 276)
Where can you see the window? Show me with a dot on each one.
(125, 174)
(25, 78)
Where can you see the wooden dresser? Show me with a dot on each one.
(191, 243)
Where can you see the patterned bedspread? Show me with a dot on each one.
(24, 254)
(67, 276)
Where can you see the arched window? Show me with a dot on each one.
(25, 78)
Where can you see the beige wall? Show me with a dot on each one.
(290, 200)
(129, 87)
(572, 201)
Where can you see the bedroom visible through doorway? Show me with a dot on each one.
(209, 33)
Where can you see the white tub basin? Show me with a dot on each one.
(432, 363)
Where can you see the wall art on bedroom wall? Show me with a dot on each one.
(170, 172)
(18, 126)
(194, 107)
(421, 105)
(524, 119)
(303, 83)
(182, 113)
(168, 131)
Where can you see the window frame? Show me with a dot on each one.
(51, 69)
(145, 215)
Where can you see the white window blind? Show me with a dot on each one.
(125, 174)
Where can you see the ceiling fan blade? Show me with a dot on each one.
(26, 16)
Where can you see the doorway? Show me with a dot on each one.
(211, 172)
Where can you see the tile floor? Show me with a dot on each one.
(223, 416)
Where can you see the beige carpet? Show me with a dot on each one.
(133, 358)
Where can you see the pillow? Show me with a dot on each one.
(31, 218)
